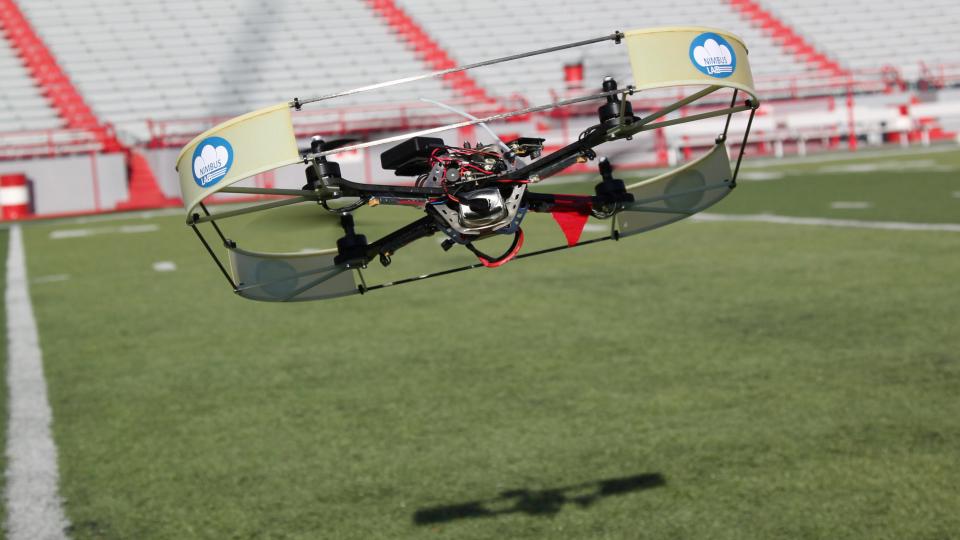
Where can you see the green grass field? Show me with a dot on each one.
(707, 380)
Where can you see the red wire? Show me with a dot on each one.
(506, 258)
(455, 153)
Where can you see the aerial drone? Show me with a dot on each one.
(467, 194)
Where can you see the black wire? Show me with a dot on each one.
(589, 131)
(363, 200)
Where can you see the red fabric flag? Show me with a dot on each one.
(572, 224)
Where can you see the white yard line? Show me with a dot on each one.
(827, 222)
(33, 504)
(53, 278)
(850, 205)
(60, 234)
(873, 153)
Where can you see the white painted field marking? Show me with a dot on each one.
(33, 504)
(133, 229)
(956, 194)
(850, 205)
(61, 234)
(913, 165)
(123, 216)
(165, 266)
(760, 176)
(51, 278)
(825, 222)
(860, 155)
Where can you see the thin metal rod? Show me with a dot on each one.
(469, 116)
(623, 109)
(616, 36)
(652, 210)
(478, 265)
(563, 247)
(424, 276)
(682, 103)
(251, 209)
(726, 126)
(215, 258)
(743, 145)
(214, 223)
(298, 275)
(691, 118)
(314, 283)
(468, 123)
(269, 191)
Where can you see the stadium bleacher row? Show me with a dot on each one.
(22, 105)
(135, 63)
(866, 34)
(189, 59)
(500, 27)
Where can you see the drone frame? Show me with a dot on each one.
(264, 140)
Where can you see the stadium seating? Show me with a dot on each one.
(477, 31)
(22, 105)
(870, 34)
(190, 58)
(136, 64)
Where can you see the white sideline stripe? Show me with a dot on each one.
(826, 222)
(33, 504)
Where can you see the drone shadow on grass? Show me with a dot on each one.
(543, 502)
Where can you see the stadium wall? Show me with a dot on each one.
(74, 184)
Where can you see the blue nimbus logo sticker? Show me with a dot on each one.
(212, 160)
(713, 55)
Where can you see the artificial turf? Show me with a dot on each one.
(895, 187)
(707, 380)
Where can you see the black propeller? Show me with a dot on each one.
(318, 144)
(322, 170)
(610, 191)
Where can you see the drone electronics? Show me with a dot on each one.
(468, 195)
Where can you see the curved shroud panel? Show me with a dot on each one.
(290, 277)
(676, 194)
(688, 56)
(244, 146)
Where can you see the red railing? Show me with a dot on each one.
(938, 76)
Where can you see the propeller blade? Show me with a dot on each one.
(320, 145)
